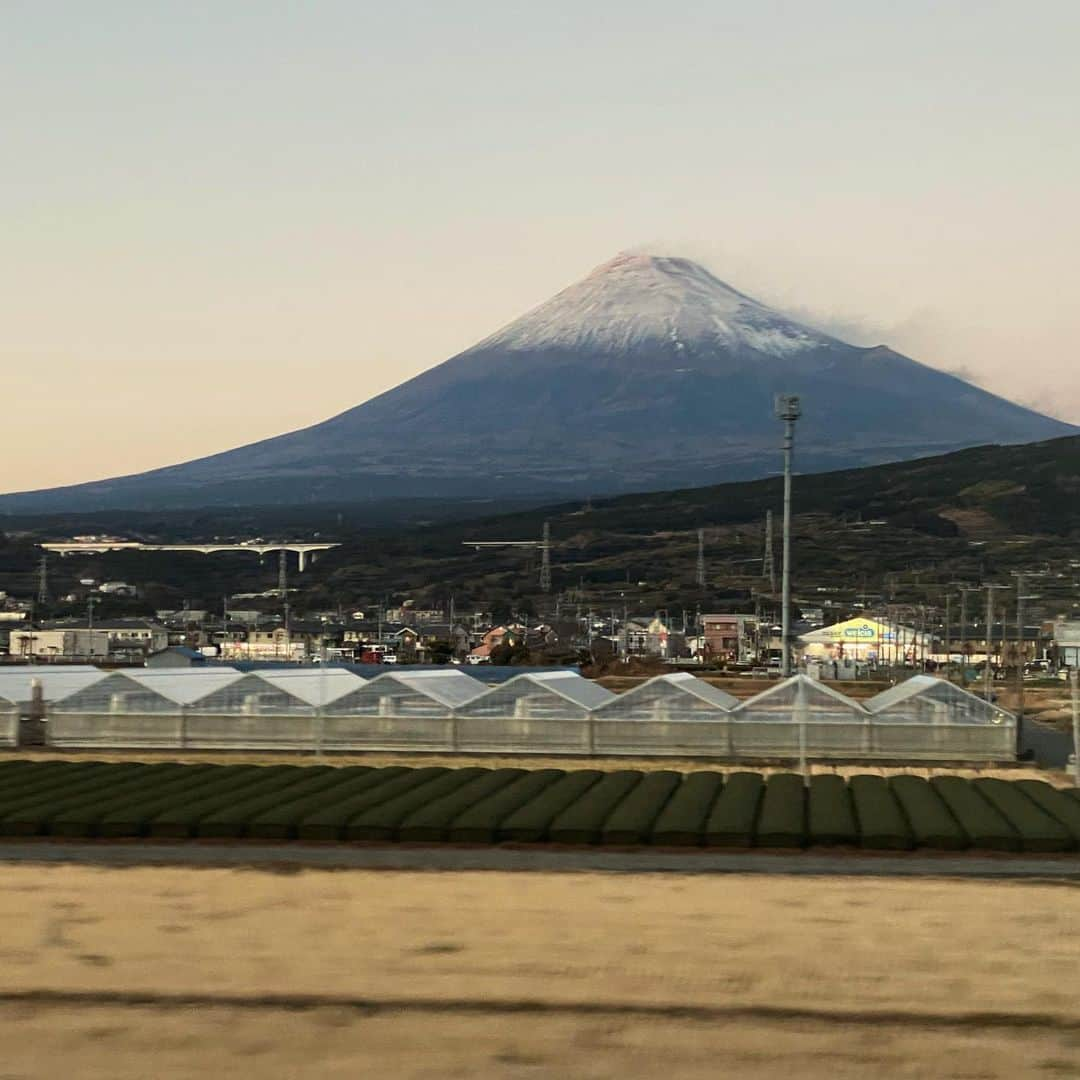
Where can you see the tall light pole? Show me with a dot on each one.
(787, 409)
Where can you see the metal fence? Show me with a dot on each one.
(726, 737)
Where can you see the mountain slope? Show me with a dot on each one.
(648, 373)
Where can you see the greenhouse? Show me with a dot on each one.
(800, 714)
(673, 714)
(929, 717)
(134, 708)
(9, 723)
(57, 683)
(549, 712)
(266, 710)
(279, 691)
(401, 710)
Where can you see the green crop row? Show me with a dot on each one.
(483, 806)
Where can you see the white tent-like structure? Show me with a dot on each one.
(408, 694)
(401, 710)
(923, 699)
(276, 692)
(547, 711)
(9, 722)
(56, 682)
(136, 707)
(800, 713)
(675, 714)
(676, 696)
(928, 717)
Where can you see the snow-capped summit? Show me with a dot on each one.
(637, 299)
(648, 373)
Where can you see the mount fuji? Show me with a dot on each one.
(648, 373)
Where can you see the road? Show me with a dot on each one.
(446, 858)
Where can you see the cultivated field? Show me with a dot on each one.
(473, 805)
(185, 973)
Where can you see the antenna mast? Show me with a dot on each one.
(545, 559)
(768, 561)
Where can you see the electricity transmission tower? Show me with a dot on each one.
(43, 581)
(544, 545)
(701, 558)
(282, 575)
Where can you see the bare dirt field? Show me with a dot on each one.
(525, 761)
(183, 972)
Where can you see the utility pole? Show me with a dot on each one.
(988, 676)
(1020, 598)
(545, 559)
(43, 582)
(1074, 683)
(948, 634)
(768, 560)
(787, 409)
(701, 558)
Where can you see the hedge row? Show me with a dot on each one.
(985, 825)
(932, 824)
(481, 805)
(279, 822)
(782, 822)
(632, 821)
(328, 822)
(479, 824)
(582, 820)
(133, 818)
(529, 823)
(731, 822)
(382, 820)
(830, 814)
(433, 819)
(682, 821)
(881, 822)
(36, 816)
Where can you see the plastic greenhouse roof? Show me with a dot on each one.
(569, 685)
(449, 688)
(682, 682)
(182, 685)
(56, 682)
(922, 684)
(313, 687)
(811, 684)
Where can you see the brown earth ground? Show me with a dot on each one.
(525, 761)
(184, 973)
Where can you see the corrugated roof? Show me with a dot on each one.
(56, 682)
(682, 682)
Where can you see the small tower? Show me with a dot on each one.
(545, 559)
(768, 561)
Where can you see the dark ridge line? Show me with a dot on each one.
(537, 1006)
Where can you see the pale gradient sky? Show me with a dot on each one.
(223, 220)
